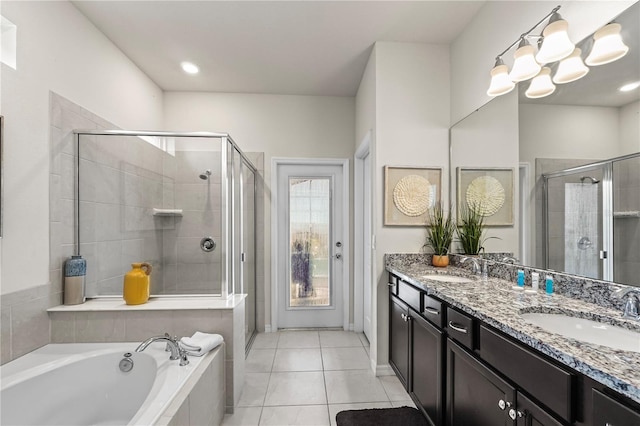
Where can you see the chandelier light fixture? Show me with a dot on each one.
(556, 52)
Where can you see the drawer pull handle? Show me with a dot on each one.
(502, 404)
(458, 327)
(432, 311)
(512, 414)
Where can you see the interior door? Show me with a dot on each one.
(310, 245)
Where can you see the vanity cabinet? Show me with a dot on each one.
(462, 372)
(399, 339)
(427, 378)
(476, 396)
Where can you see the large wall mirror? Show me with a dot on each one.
(589, 121)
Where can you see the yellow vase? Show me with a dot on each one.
(137, 284)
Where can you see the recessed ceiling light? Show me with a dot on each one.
(189, 68)
(629, 87)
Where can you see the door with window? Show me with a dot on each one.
(310, 211)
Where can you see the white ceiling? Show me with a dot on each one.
(281, 47)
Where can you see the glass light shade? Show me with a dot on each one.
(555, 44)
(500, 81)
(607, 46)
(571, 68)
(541, 85)
(525, 65)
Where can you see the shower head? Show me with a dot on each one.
(205, 175)
(593, 180)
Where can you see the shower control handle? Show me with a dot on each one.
(207, 244)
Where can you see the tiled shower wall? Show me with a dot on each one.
(121, 181)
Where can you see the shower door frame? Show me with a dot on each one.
(606, 255)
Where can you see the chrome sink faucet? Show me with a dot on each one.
(172, 346)
(631, 305)
(476, 268)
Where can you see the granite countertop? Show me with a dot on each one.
(497, 304)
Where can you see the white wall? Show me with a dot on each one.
(58, 50)
(630, 128)
(500, 23)
(278, 125)
(489, 138)
(412, 121)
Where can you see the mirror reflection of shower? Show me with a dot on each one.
(205, 175)
(582, 179)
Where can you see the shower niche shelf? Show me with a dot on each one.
(167, 212)
(627, 214)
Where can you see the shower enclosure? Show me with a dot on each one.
(591, 220)
(183, 202)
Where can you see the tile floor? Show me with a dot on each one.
(307, 377)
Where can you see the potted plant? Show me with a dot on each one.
(440, 230)
(471, 229)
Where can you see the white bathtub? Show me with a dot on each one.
(81, 384)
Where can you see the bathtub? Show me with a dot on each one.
(82, 384)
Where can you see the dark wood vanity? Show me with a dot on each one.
(461, 371)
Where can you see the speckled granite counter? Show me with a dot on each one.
(497, 304)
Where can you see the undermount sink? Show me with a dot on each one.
(448, 278)
(586, 330)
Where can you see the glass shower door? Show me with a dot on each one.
(575, 237)
(248, 255)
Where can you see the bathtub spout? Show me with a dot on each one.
(172, 345)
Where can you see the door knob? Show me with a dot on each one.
(338, 244)
(512, 414)
(502, 404)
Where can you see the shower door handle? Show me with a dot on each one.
(603, 254)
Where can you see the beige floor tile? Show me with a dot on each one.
(297, 360)
(352, 386)
(298, 339)
(243, 416)
(345, 359)
(406, 403)
(266, 341)
(296, 388)
(393, 387)
(260, 361)
(254, 389)
(334, 409)
(339, 339)
(303, 415)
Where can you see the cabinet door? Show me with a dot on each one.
(607, 411)
(426, 368)
(399, 339)
(475, 395)
(530, 414)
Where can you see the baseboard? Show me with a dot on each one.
(267, 328)
(351, 327)
(384, 370)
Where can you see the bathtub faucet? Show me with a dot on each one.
(172, 345)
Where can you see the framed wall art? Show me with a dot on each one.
(490, 190)
(409, 193)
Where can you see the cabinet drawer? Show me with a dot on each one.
(608, 411)
(432, 311)
(543, 380)
(409, 295)
(393, 284)
(460, 327)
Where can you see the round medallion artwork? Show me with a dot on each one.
(412, 195)
(486, 195)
